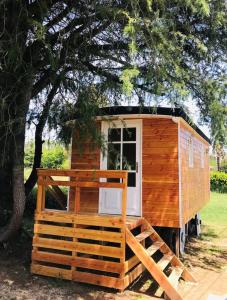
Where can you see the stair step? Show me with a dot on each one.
(143, 235)
(164, 261)
(154, 247)
(175, 276)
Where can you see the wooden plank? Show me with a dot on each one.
(130, 263)
(98, 220)
(54, 216)
(54, 230)
(133, 223)
(175, 260)
(54, 244)
(131, 276)
(101, 280)
(175, 276)
(151, 266)
(95, 264)
(82, 233)
(39, 203)
(108, 236)
(154, 248)
(78, 247)
(81, 184)
(143, 235)
(165, 260)
(51, 271)
(77, 200)
(83, 219)
(99, 250)
(83, 173)
(51, 257)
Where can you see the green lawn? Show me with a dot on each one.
(215, 213)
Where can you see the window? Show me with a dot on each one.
(122, 152)
(190, 153)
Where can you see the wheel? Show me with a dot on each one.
(182, 239)
(194, 226)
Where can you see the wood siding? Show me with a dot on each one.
(160, 183)
(195, 180)
(87, 156)
(160, 176)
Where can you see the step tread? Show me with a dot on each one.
(143, 235)
(165, 261)
(154, 247)
(175, 275)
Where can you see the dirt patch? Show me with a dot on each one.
(206, 256)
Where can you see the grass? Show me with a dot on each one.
(214, 215)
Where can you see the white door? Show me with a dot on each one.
(123, 153)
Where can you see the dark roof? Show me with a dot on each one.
(130, 110)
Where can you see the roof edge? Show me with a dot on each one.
(165, 111)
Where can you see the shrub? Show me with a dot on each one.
(29, 156)
(53, 158)
(218, 182)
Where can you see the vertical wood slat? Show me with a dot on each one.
(124, 198)
(77, 200)
(39, 203)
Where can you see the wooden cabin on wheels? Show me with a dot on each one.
(128, 209)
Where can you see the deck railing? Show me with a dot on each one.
(77, 179)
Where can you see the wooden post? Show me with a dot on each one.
(77, 200)
(39, 203)
(123, 231)
(124, 198)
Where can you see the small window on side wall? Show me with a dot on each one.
(190, 153)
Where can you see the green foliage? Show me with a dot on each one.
(224, 165)
(29, 155)
(218, 182)
(127, 76)
(53, 158)
(214, 214)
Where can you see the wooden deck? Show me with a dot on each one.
(105, 250)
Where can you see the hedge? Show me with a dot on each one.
(218, 182)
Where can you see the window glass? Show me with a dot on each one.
(129, 134)
(114, 157)
(131, 179)
(114, 134)
(129, 157)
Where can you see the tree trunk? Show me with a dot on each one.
(32, 179)
(17, 168)
(218, 163)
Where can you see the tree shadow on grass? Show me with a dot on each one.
(204, 251)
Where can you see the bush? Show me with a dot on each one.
(29, 155)
(218, 182)
(53, 158)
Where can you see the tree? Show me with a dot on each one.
(149, 48)
(219, 130)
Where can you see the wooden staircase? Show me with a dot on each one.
(156, 256)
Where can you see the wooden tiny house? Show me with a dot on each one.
(167, 161)
(155, 173)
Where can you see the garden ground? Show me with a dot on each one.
(206, 256)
